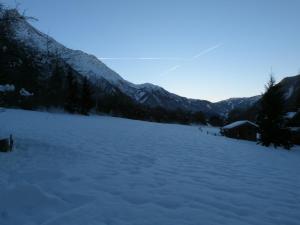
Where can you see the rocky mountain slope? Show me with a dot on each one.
(291, 88)
(225, 106)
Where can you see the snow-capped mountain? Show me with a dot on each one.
(291, 89)
(90, 66)
(225, 106)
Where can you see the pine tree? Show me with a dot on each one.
(72, 102)
(86, 101)
(216, 121)
(31, 81)
(298, 100)
(55, 87)
(270, 118)
(1, 93)
(199, 117)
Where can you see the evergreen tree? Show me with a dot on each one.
(216, 121)
(199, 117)
(55, 87)
(298, 100)
(270, 118)
(1, 93)
(1, 54)
(86, 101)
(30, 81)
(72, 102)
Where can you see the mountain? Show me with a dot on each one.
(90, 66)
(226, 106)
(290, 87)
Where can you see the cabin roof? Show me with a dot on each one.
(239, 123)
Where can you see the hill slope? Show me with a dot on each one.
(291, 88)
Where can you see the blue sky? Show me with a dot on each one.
(200, 49)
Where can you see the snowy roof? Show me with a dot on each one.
(7, 88)
(26, 93)
(238, 123)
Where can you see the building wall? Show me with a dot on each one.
(246, 132)
(296, 138)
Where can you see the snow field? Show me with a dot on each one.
(101, 170)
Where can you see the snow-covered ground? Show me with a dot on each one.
(76, 170)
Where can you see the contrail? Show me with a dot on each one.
(164, 58)
(170, 70)
(204, 52)
(141, 58)
(173, 68)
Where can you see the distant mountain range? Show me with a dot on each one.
(146, 94)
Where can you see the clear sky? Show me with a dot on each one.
(213, 49)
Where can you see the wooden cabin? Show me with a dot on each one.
(241, 130)
(295, 132)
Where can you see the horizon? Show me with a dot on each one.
(218, 62)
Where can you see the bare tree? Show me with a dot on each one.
(10, 16)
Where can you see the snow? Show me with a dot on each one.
(289, 93)
(139, 95)
(238, 123)
(7, 88)
(290, 115)
(150, 86)
(208, 106)
(295, 129)
(69, 169)
(25, 93)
